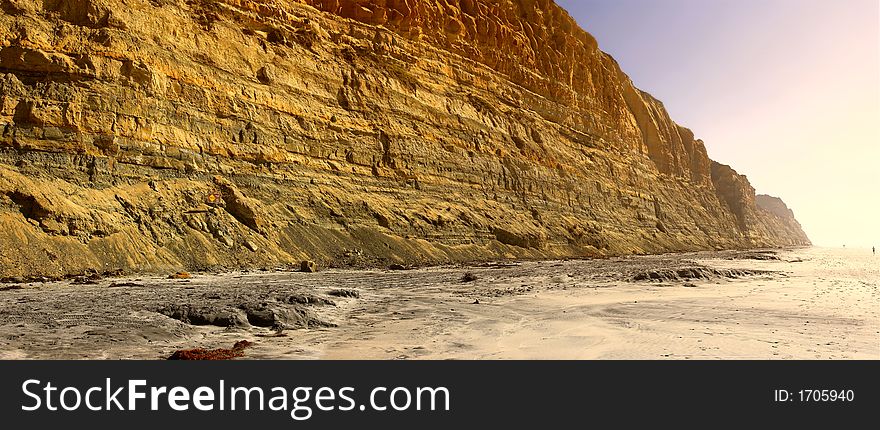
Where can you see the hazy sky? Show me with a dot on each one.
(785, 91)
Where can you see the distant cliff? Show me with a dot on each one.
(159, 135)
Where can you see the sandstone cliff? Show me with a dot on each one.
(164, 134)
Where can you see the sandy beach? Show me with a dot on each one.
(811, 303)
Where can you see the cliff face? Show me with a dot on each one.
(779, 221)
(167, 134)
(762, 218)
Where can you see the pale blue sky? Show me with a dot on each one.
(786, 91)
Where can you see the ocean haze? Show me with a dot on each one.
(786, 91)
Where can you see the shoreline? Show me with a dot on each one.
(293, 268)
(796, 304)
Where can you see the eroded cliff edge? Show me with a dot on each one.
(158, 135)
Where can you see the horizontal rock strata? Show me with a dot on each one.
(155, 135)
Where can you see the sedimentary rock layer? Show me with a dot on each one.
(166, 134)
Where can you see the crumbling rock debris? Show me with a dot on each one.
(125, 285)
(90, 279)
(266, 74)
(469, 277)
(308, 266)
(244, 209)
(251, 246)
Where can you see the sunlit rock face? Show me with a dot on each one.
(164, 134)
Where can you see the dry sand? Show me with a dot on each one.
(798, 304)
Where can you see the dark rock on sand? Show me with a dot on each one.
(306, 299)
(688, 273)
(351, 294)
(274, 316)
(308, 267)
(204, 315)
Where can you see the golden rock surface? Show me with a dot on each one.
(162, 135)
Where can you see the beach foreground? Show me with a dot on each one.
(810, 303)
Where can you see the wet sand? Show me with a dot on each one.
(798, 304)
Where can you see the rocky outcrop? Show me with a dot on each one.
(736, 192)
(168, 135)
(778, 221)
(762, 218)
